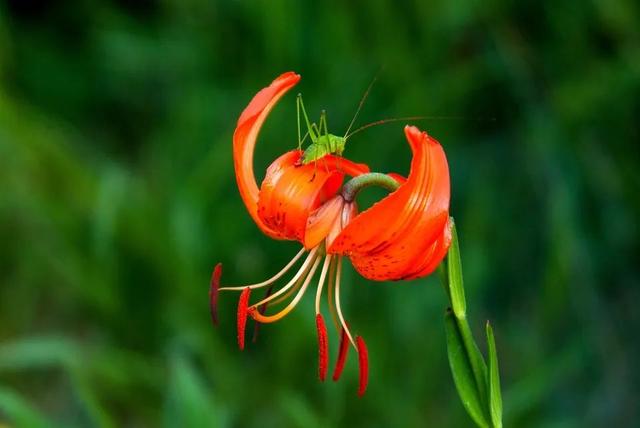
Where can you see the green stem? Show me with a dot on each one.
(353, 186)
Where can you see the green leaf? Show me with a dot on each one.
(495, 397)
(478, 365)
(456, 285)
(188, 402)
(38, 352)
(93, 413)
(462, 371)
(19, 411)
(59, 353)
(298, 411)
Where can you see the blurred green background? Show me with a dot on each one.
(118, 196)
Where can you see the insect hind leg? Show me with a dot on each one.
(327, 141)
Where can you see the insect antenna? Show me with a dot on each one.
(362, 100)
(399, 119)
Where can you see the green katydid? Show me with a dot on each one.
(322, 142)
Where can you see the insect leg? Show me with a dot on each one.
(322, 145)
(332, 147)
(327, 140)
(316, 130)
(311, 133)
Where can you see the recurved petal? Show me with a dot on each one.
(290, 192)
(400, 232)
(433, 257)
(245, 136)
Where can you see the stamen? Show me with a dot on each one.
(303, 269)
(363, 361)
(323, 353)
(270, 280)
(323, 275)
(213, 292)
(344, 324)
(273, 318)
(262, 310)
(342, 355)
(330, 300)
(242, 315)
(291, 291)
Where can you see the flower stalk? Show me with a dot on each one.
(353, 186)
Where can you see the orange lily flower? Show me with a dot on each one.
(403, 236)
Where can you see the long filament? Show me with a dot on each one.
(344, 324)
(273, 318)
(330, 292)
(272, 279)
(323, 275)
(291, 283)
(292, 290)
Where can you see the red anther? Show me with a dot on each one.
(342, 355)
(323, 354)
(242, 315)
(213, 293)
(363, 361)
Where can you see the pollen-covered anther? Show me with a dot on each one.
(243, 310)
(323, 351)
(213, 292)
(342, 355)
(363, 362)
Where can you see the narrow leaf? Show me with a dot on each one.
(17, 410)
(495, 397)
(462, 372)
(456, 285)
(38, 352)
(189, 402)
(478, 365)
